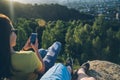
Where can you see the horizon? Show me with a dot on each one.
(57, 1)
(37, 1)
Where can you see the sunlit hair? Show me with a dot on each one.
(5, 51)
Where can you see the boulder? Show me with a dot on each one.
(104, 70)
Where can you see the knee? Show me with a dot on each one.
(58, 43)
(57, 46)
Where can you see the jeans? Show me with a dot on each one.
(50, 55)
(57, 72)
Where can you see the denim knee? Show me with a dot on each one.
(42, 52)
(56, 46)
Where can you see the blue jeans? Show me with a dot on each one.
(57, 72)
(50, 55)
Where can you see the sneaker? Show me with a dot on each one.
(85, 66)
(69, 62)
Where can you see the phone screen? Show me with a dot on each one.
(33, 38)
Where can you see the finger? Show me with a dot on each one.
(29, 39)
(31, 44)
(36, 41)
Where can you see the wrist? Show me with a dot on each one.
(36, 50)
(23, 49)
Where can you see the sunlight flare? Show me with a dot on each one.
(21, 1)
(11, 10)
(41, 22)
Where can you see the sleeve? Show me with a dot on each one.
(36, 62)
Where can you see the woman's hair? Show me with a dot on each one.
(5, 51)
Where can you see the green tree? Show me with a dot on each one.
(21, 38)
(54, 32)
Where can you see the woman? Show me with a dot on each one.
(22, 65)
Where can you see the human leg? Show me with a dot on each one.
(57, 72)
(42, 52)
(51, 55)
(82, 75)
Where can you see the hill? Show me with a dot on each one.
(45, 11)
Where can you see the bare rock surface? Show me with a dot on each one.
(104, 70)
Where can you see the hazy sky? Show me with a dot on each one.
(55, 1)
(40, 1)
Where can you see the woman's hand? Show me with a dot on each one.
(27, 45)
(35, 46)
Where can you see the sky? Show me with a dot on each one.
(54, 1)
(46, 1)
(40, 1)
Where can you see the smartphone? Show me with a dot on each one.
(33, 38)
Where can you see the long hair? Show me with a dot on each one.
(5, 51)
